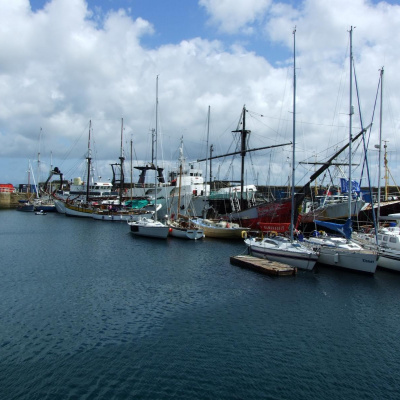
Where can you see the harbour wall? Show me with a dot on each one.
(10, 200)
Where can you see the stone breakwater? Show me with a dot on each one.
(10, 200)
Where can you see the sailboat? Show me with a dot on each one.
(280, 248)
(26, 205)
(147, 226)
(344, 252)
(217, 228)
(81, 208)
(386, 241)
(181, 226)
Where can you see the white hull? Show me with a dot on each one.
(296, 256)
(389, 259)
(333, 211)
(121, 217)
(388, 248)
(220, 230)
(60, 206)
(361, 261)
(149, 228)
(186, 233)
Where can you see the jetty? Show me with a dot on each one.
(263, 266)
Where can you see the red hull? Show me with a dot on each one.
(278, 212)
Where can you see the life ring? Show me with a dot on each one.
(244, 235)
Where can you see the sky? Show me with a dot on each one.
(64, 63)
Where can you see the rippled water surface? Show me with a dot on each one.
(88, 311)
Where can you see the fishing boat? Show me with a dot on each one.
(278, 248)
(146, 226)
(186, 178)
(344, 252)
(331, 207)
(242, 205)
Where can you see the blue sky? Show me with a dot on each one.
(65, 62)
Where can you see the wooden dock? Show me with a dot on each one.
(263, 265)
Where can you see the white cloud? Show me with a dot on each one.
(64, 65)
(235, 15)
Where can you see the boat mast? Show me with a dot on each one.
(385, 162)
(380, 153)
(38, 164)
(121, 159)
(294, 135)
(351, 112)
(155, 154)
(208, 136)
(206, 159)
(89, 159)
(243, 136)
(131, 170)
(180, 177)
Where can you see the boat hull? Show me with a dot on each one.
(183, 233)
(26, 208)
(360, 261)
(221, 230)
(305, 261)
(60, 206)
(78, 211)
(121, 217)
(149, 228)
(389, 259)
(334, 211)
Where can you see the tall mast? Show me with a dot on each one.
(89, 159)
(385, 162)
(243, 133)
(205, 180)
(211, 151)
(180, 176)
(294, 134)
(121, 159)
(38, 164)
(208, 137)
(380, 153)
(155, 154)
(131, 170)
(351, 112)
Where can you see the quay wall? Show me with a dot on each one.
(10, 200)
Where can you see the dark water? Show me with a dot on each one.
(90, 312)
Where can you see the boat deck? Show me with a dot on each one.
(263, 265)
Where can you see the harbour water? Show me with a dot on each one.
(89, 311)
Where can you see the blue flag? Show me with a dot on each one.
(344, 186)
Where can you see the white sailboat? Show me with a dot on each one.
(146, 226)
(344, 252)
(181, 226)
(282, 249)
(386, 241)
